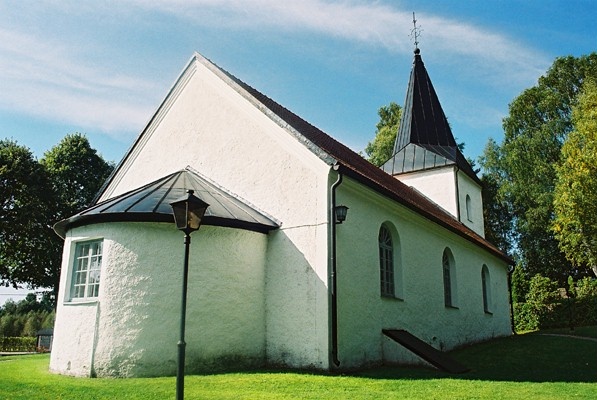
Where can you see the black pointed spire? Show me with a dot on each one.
(424, 138)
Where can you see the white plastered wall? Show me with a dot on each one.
(474, 219)
(437, 184)
(363, 313)
(448, 188)
(133, 327)
(208, 125)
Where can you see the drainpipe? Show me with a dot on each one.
(333, 286)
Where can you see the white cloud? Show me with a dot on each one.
(51, 77)
(46, 79)
(504, 60)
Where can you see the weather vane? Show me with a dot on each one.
(415, 33)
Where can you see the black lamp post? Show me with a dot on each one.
(188, 213)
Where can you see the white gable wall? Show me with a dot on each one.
(208, 125)
(418, 245)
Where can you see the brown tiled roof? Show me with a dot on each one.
(334, 152)
(355, 166)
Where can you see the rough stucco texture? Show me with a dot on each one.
(211, 127)
(418, 249)
(133, 327)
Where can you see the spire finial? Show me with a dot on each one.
(415, 33)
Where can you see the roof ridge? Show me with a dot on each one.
(359, 167)
(333, 152)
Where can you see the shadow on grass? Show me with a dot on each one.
(522, 358)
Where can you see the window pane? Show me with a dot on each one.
(386, 262)
(86, 269)
(447, 280)
(485, 287)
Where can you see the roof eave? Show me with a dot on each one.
(62, 227)
(464, 232)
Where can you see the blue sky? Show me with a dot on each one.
(102, 68)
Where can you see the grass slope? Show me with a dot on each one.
(527, 366)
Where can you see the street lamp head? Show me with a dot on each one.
(340, 212)
(188, 212)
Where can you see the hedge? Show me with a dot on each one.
(10, 344)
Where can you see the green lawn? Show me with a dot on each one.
(526, 366)
(586, 331)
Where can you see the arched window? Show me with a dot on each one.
(469, 208)
(486, 284)
(386, 261)
(449, 273)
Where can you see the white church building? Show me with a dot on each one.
(274, 279)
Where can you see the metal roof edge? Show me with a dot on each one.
(76, 221)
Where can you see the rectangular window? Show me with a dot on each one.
(86, 270)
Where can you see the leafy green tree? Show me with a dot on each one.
(26, 317)
(9, 325)
(10, 307)
(380, 149)
(497, 212)
(30, 303)
(35, 195)
(520, 285)
(33, 323)
(524, 164)
(76, 174)
(25, 231)
(575, 201)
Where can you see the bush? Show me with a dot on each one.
(18, 344)
(585, 303)
(546, 306)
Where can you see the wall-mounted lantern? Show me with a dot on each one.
(340, 212)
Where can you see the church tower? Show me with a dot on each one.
(426, 156)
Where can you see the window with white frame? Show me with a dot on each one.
(87, 264)
(386, 262)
